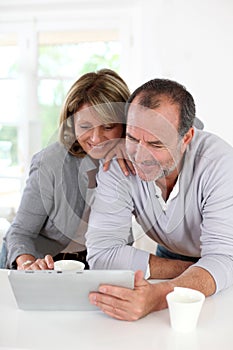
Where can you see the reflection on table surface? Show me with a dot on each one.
(92, 330)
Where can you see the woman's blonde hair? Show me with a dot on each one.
(105, 91)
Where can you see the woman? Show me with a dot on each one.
(51, 221)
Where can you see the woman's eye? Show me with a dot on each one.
(84, 126)
(108, 127)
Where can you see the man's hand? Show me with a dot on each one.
(132, 304)
(129, 304)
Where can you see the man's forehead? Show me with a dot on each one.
(149, 120)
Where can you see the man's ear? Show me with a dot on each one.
(187, 138)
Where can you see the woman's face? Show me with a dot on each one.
(94, 137)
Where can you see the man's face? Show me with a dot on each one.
(152, 140)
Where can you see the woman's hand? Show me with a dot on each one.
(119, 152)
(39, 264)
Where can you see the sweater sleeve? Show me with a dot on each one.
(32, 214)
(109, 236)
(217, 221)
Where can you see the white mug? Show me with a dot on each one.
(68, 265)
(184, 308)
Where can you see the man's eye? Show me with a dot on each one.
(154, 145)
(131, 139)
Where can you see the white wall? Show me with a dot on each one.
(191, 42)
(186, 40)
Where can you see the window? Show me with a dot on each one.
(36, 71)
(10, 173)
(61, 61)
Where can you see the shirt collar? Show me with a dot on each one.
(172, 195)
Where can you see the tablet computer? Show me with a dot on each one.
(66, 290)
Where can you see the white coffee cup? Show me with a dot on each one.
(68, 265)
(184, 308)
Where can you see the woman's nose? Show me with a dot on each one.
(96, 135)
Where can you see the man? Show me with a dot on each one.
(182, 196)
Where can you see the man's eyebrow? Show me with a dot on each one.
(156, 142)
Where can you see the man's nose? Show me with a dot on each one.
(141, 154)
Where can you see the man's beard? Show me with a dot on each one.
(163, 171)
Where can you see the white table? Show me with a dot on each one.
(92, 330)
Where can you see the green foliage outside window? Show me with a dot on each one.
(8, 145)
(59, 67)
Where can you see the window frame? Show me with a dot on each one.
(28, 29)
